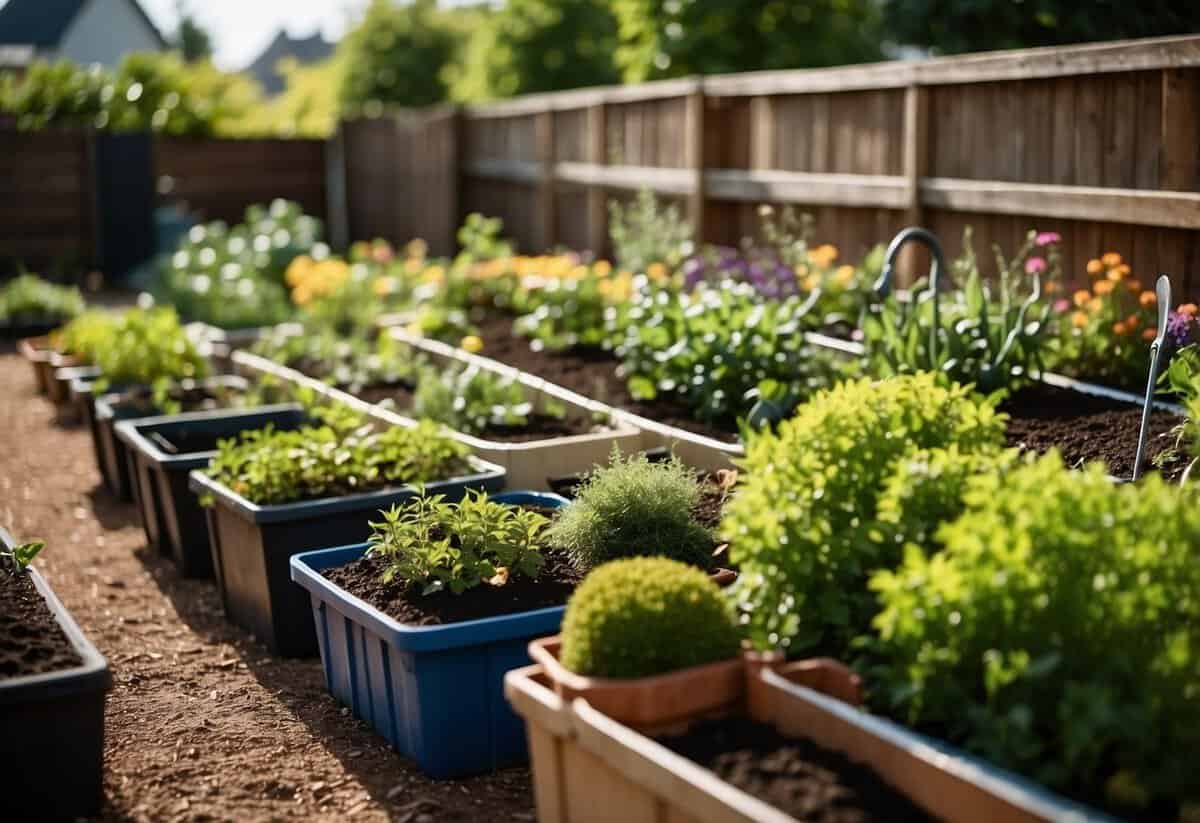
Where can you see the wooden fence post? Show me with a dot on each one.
(694, 135)
(1180, 169)
(916, 166)
(546, 189)
(762, 132)
(336, 203)
(597, 196)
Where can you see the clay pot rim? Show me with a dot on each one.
(36, 348)
(545, 650)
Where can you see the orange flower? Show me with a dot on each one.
(657, 271)
(1053, 287)
(1132, 322)
(1111, 259)
(1094, 267)
(1120, 329)
(1082, 297)
(1095, 304)
(1135, 286)
(1103, 287)
(1079, 320)
(1147, 298)
(1188, 309)
(1117, 273)
(1150, 333)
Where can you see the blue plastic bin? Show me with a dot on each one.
(435, 692)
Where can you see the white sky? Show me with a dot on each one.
(242, 28)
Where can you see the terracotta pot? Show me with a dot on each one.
(37, 351)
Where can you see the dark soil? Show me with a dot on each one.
(202, 722)
(31, 641)
(591, 372)
(794, 775)
(551, 588)
(192, 400)
(1086, 427)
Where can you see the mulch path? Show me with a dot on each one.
(202, 722)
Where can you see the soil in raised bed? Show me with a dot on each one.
(1088, 427)
(552, 587)
(31, 641)
(793, 774)
(591, 372)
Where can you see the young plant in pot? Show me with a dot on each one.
(272, 494)
(418, 625)
(72, 350)
(31, 306)
(53, 683)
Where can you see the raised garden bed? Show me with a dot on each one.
(530, 458)
(39, 352)
(428, 673)
(252, 544)
(52, 687)
(163, 451)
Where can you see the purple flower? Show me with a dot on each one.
(1180, 330)
(1035, 265)
(1047, 238)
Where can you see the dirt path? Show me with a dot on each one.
(202, 723)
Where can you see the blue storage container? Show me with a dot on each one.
(435, 692)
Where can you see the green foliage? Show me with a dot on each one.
(350, 363)
(470, 399)
(84, 336)
(665, 38)
(569, 312)
(28, 298)
(1056, 632)
(646, 231)
(949, 27)
(396, 55)
(720, 347)
(433, 546)
(233, 277)
(634, 507)
(145, 347)
(992, 340)
(644, 616)
(529, 46)
(804, 528)
(346, 455)
(22, 556)
(192, 39)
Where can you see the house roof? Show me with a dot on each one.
(42, 23)
(303, 49)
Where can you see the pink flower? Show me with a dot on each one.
(1047, 238)
(1061, 305)
(1035, 265)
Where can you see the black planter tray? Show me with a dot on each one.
(171, 515)
(52, 745)
(252, 547)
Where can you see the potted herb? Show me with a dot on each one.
(163, 451)
(52, 687)
(418, 625)
(72, 347)
(272, 494)
(31, 306)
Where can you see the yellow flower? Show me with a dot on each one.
(602, 268)
(471, 343)
(298, 270)
(657, 271)
(302, 295)
(1095, 305)
(1111, 259)
(578, 272)
(434, 274)
(813, 281)
(416, 249)
(844, 275)
(384, 286)
(412, 266)
(1079, 320)
(1094, 266)
(1148, 298)
(823, 255)
(1082, 296)
(1103, 287)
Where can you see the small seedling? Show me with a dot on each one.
(21, 556)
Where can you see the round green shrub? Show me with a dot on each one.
(643, 616)
(634, 507)
(804, 527)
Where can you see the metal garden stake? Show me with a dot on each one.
(883, 286)
(1162, 291)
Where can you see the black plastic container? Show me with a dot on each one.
(171, 515)
(252, 546)
(128, 404)
(52, 740)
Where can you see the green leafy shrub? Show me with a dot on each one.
(644, 616)
(470, 399)
(1057, 633)
(346, 455)
(433, 545)
(634, 507)
(30, 299)
(146, 347)
(803, 526)
(570, 312)
(646, 231)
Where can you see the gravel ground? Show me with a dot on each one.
(202, 723)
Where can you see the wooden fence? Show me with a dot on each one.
(1098, 142)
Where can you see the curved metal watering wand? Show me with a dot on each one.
(883, 286)
(1162, 291)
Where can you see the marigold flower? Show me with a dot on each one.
(384, 286)
(1148, 298)
(1053, 287)
(1103, 287)
(1134, 286)
(657, 271)
(824, 255)
(298, 270)
(1081, 297)
(471, 343)
(1188, 309)
(602, 268)
(1150, 333)
(1079, 319)
(813, 281)
(1095, 305)
(1094, 266)
(434, 274)
(844, 275)
(1120, 329)
(1111, 259)
(1133, 321)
